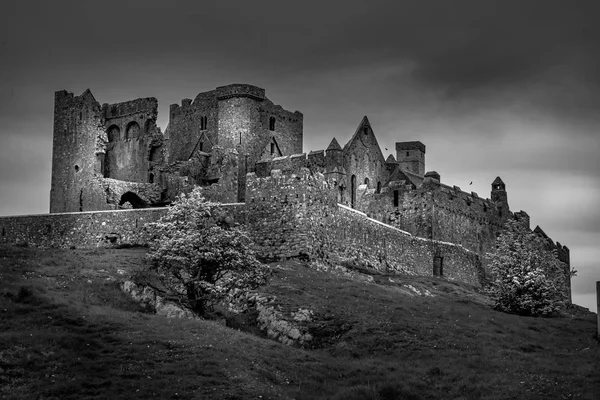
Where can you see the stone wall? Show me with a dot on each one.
(130, 127)
(411, 157)
(350, 234)
(85, 229)
(441, 212)
(288, 126)
(185, 126)
(88, 229)
(298, 215)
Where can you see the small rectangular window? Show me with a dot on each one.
(395, 198)
(408, 153)
(438, 266)
(272, 148)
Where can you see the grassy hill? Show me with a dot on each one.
(68, 332)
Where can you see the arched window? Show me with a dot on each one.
(155, 154)
(133, 130)
(272, 123)
(378, 187)
(396, 198)
(114, 133)
(438, 266)
(367, 182)
(203, 123)
(148, 126)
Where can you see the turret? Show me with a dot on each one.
(334, 154)
(499, 192)
(432, 176)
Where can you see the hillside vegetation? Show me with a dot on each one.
(68, 332)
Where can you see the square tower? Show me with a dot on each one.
(411, 157)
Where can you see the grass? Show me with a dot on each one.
(68, 332)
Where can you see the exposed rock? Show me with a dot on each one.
(148, 299)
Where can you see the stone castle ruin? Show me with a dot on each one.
(246, 152)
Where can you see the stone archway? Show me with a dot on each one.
(133, 199)
(114, 133)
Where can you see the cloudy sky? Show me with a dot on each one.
(508, 88)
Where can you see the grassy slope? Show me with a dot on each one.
(67, 332)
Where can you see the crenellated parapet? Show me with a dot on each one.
(240, 90)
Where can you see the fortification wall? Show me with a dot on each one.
(80, 229)
(441, 212)
(351, 234)
(277, 208)
(89, 229)
(298, 214)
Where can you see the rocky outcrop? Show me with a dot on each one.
(282, 329)
(148, 298)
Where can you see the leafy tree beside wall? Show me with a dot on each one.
(199, 256)
(527, 278)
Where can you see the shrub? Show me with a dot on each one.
(198, 256)
(527, 278)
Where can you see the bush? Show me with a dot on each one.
(527, 278)
(199, 257)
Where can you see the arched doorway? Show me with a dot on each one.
(133, 199)
(353, 191)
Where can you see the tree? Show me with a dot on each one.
(527, 277)
(198, 256)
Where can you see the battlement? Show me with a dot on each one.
(456, 193)
(240, 90)
(147, 107)
(415, 145)
(62, 97)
